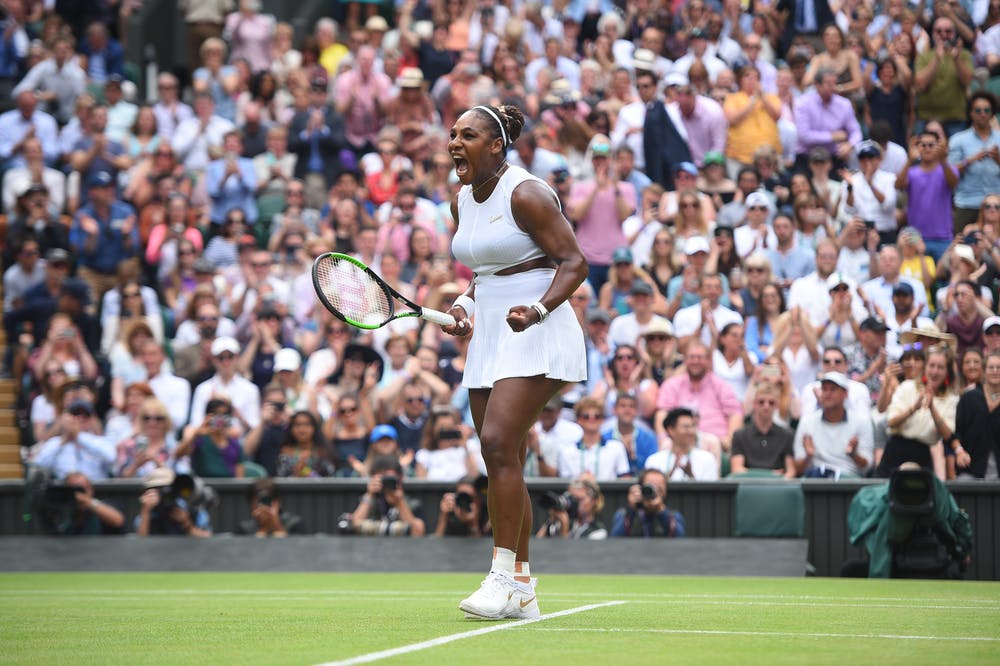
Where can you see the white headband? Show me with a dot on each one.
(503, 132)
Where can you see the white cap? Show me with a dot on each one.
(676, 79)
(837, 279)
(695, 244)
(225, 344)
(643, 59)
(990, 322)
(287, 359)
(838, 378)
(965, 253)
(758, 198)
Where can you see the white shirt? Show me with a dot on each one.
(241, 392)
(191, 144)
(747, 239)
(16, 282)
(735, 374)
(812, 295)
(879, 292)
(175, 393)
(867, 207)
(642, 244)
(564, 434)
(446, 464)
(801, 368)
(704, 467)
(631, 116)
(687, 321)
(859, 398)
(606, 461)
(168, 118)
(17, 180)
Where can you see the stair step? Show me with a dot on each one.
(10, 454)
(11, 471)
(8, 417)
(9, 435)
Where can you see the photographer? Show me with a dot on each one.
(573, 514)
(214, 448)
(647, 514)
(384, 509)
(460, 511)
(77, 447)
(263, 443)
(72, 510)
(267, 516)
(172, 505)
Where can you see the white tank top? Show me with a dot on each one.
(487, 239)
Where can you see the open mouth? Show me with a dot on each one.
(461, 166)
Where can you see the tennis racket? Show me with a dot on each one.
(356, 295)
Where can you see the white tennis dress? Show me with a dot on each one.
(488, 240)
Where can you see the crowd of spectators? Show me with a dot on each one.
(790, 211)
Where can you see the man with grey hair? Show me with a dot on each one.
(170, 111)
(827, 120)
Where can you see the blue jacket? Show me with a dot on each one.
(112, 246)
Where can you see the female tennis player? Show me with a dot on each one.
(526, 343)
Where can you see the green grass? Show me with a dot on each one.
(303, 619)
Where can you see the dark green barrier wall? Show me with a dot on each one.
(707, 507)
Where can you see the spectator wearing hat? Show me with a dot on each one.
(40, 300)
(858, 397)
(703, 122)
(231, 181)
(626, 328)
(867, 358)
(991, 334)
(243, 395)
(316, 136)
(177, 517)
(598, 207)
(834, 442)
(412, 109)
(713, 180)
(613, 296)
(877, 292)
(811, 292)
(756, 233)
(907, 317)
(683, 289)
(78, 447)
(826, 119)
(27, 121)
(104, 234)
(599, 348)
(664, 143)
(35, 215)
(871, 192)
(688, 221)
(56, 82)
(196, 138)
(34, 178)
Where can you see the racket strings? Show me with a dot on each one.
(353, 292)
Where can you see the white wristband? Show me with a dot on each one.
(543, 312)
(466, 304)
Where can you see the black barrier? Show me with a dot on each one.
(707, 508)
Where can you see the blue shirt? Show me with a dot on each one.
(980, 178)
(91, 454)
(792, 265)
(13, 127)
(645, 443)
(112, 246)
(237, 191)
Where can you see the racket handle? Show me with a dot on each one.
(435, 317)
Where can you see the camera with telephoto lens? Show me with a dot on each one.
(192, 490)
(648, 492)
(265, 500)
(464, 501)
(219, 421)
(553, 501)
(389, 483)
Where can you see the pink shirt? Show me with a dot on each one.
(362, 121)
(714, 400)
(599, 232)
(250, 37)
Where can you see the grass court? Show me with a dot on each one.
(304, 619)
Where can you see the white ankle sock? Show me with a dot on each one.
(503, 561)
(522, 572)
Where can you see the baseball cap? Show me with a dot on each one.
(838, 378)
(77, 290)
(990, 323)
(377, 22)
(868, 149)
(225, 344)
(713, 157)
(411, 77)
(383, 431)
(695, 244)
(600, 145)
(639, 287)
(32, 188)
(57, 255)
(819, 154)
(696, 33)
(622, 255)
(643, 59)
(676, 79)
(758, 198)
(837, 279)
(597, 314)
(101, 179)
(965, 253)
(874, 324)
(203, 265)
(80, 407)
(903, 289)
(318, 83)
(287, 359)
(688, 168)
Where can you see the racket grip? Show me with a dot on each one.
(435, 317)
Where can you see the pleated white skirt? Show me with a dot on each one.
(554, 348)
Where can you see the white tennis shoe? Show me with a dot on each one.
(501, 597)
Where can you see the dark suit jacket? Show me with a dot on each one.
(331, 142)
(824, 16)
(114, 56)
(663, 146)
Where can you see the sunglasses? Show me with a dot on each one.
(757, 208)
(992, 330)
(590, 417)
(226, 356)
(347, 410)
(625, 357)
(131, 294)
(772, 403)
(841, 287)
(81, 411)
(756, 269)
(414, 400)
(927, 144)
(833, 360)
(208, 319)
(159, 418)
(983, 110)
(689, 204)
(991, 206)
(184, 253)
(658, 337)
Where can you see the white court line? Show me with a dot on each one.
(442, 640)
(781, 634)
